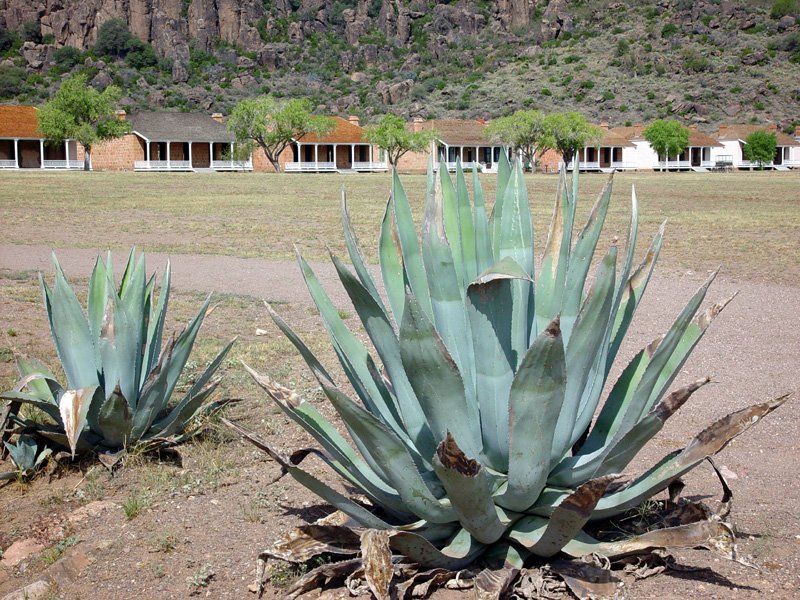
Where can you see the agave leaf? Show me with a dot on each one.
(461, 550)
(114, 420)
(383, 337)
(40, 380)
(356, 256)
(344, 460)
(707, 443)
(469, 489)
(45, 406)
(100, 284)
(409, 245)
(354, 357)
(340, 502)
(550, 283)
(391, 261)
(484, 257)
(628, 447)
(134, 302)
(73, 408)
(70, 332)
(516, 241)
(120, 345)
(191, 404)
(155, 326)
(535, 403)
(583, 351)
(436, 381)
(581, 259)
(495, 222)
(711, 534)
(489, 314)
(547, 536)
(631, 393)
(157, 391)
(446, 288)
(392, 455)
(631, 295)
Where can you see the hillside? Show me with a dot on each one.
(703, 61)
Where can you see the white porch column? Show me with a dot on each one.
(168, 161)
(477, 156)
(41, 154)
(147, 152)
(299, 153)
(334, 157)
(66, 151)
(211, 154)
(16, 152)
(370, 154)
(352, 154)
(316, 157)
(231, 150)
(190, 155)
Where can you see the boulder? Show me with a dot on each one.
(101, 81)
(180, 68)
(786, 22)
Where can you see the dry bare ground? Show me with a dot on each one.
(171, 529)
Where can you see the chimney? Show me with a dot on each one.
(693, 126)
(772, 127)
(604, 125)
(416, 123)
(354, 120)
(797, 131)
(120, 114)
(217, 117)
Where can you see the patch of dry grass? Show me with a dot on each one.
(744, 221)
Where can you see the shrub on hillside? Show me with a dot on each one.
(67, 57)
(781, 8)
(31, 32)
(12, 81)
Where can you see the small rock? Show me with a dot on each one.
(19, 551)
(38, 590)
(91, 510)
(786, 22)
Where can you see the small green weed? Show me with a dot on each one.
(53, 553)
(134, 505)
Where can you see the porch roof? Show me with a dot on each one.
(740, 132)
(179, 127)
(696, 138)
(344, 132)
(459, 132)
(18, 122)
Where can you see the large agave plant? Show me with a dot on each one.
(119, 378)
(478, 426)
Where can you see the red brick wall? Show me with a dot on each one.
(200, 155)
(549, 161)
(116, 155)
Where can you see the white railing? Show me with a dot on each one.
(162, 165)
(673, 164)
(232, 165)
(63, 164)
(309, 167)
(748, 164)
(467, 166)
(622, 166)
(791, 163)
(585, 165)
(370, 166)
(8, 164)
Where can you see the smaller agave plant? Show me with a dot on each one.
(26, 456)
(487, 424)
(120, 374)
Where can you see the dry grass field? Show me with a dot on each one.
(194, 527)
(747, 222)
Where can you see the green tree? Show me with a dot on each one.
(523, 131)
(567, 133)
(114, 39)
(79, 112)
(667, 137)
(391, 135)
(273, 125)
(759, 147)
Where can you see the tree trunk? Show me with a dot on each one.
(87, 158)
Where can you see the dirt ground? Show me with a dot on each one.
(194, 527)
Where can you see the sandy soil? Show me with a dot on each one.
(752, 352)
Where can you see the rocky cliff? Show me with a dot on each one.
(701, 60)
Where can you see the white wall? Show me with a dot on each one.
(642, 155)
(729, 148)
